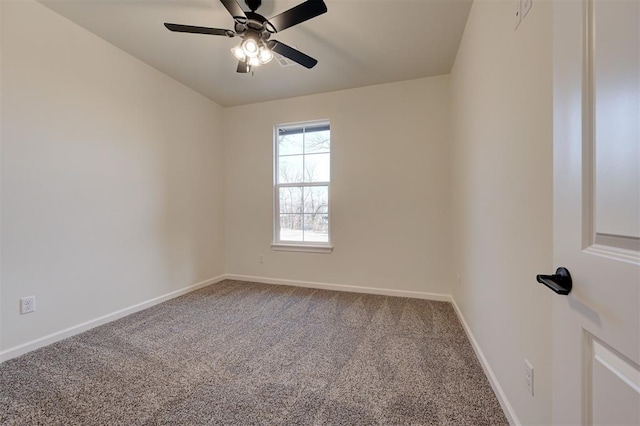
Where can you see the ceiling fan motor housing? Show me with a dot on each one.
(259, 23)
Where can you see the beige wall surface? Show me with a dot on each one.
(111, 177)
(389, 189)
(502, 194)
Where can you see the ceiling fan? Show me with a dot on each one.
(255, 30)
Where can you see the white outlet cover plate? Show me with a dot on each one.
(529, 376)
(27, 304)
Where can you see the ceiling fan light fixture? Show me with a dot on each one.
(252, 53)
(254, 62)
(250, 47)
(238, 53)
(265, 55)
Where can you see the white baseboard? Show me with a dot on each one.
(77, 329)
(488, 371)
(342, 287)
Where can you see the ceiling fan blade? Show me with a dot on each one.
(235, 10)
(300, 13)
(293, 54)
(243, 67)
(197, 30)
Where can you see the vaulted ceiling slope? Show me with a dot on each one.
(357, 43)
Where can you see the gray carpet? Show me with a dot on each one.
(240, 353)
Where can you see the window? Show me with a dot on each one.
(301, 188)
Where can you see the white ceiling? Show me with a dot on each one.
(357, 43)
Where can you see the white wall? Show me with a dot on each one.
(389, 193)
(502, 194)
(112, 185)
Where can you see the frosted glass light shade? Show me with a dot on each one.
(250, 48)
(238, 53)
(265, 55)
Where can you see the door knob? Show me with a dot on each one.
(560, 282)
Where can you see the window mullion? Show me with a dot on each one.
(285, 185)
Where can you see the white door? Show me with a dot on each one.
(596, 344)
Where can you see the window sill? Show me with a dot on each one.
(302, 248)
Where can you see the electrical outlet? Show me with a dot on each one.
(528, 376)
(526, 7)
(518, 13)
(27, 304)
(261, 258)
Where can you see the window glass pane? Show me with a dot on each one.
(316, 228)
(290, 144)
(316, 142)
(291, 227)
(291, 200)
(316, 199)
(316, 168)
(290, 169)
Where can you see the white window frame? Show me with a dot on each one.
(302, 246)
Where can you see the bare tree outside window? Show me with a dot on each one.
(303, 158)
